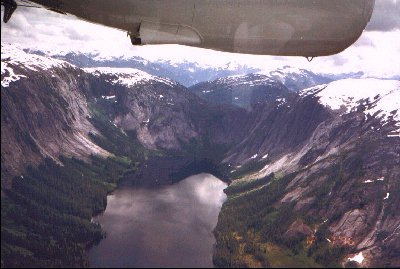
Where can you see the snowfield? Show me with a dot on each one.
(250, 80)
(378, 96)
(128, 76)
(14, 56)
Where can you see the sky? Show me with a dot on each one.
(377, 52)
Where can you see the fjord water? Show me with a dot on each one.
(169, 226)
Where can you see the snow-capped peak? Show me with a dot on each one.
(377, 95)
(128, 76)
(296, 79)
(12, 56)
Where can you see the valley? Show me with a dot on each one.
(312, 161)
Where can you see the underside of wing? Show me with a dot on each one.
(307, 28)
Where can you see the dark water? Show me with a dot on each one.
(165, 227)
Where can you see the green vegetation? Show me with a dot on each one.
(323, 252)
(240, 187)
(248, 168)
(250, 223)
(252, 229)
(46, 214)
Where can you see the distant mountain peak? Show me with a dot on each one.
(296, 79)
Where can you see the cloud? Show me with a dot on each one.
(339, 60)
(40, 27)
(386, 16)
(75, 34)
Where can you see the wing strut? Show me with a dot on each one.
(135, 35)
(9, 7)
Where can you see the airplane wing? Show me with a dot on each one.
(306, 28)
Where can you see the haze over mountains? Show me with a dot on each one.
(186, 73)
(189, 73)
(322, 149)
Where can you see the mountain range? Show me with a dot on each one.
(190, 73)
(312, 160)
(186, 73)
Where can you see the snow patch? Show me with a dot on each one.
(9, 75)
(281, 101)
(387, 196)
(368, 181)
(107, 97)
(357, 258)
(254, 156)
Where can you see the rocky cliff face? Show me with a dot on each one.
(47, 106)
(162, 112)
(44, 112)
(335, 150)
(157, 109)
(243, 91)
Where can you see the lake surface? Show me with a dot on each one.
(169, 226)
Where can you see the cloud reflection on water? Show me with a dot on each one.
(169, 226)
